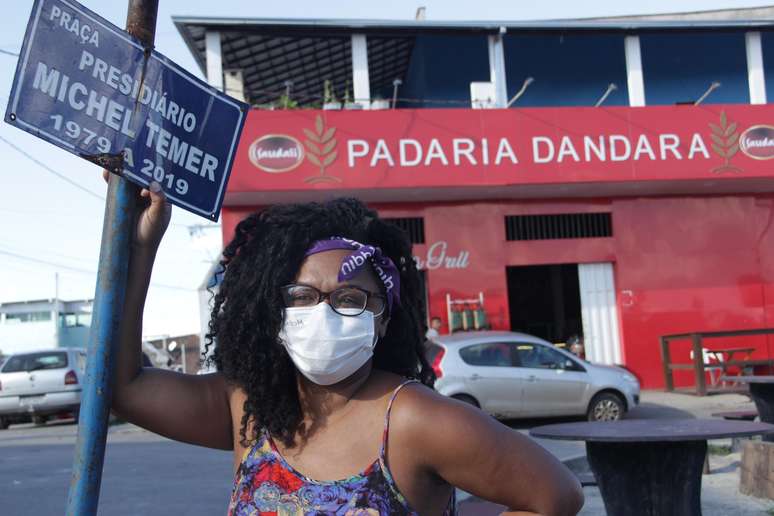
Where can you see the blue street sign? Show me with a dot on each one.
(90, 88)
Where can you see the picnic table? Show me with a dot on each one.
(650, 466)
(726, 359)
(726, 354)
(762, 393)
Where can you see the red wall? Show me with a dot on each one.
(682, 264)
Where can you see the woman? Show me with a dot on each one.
(322, 391)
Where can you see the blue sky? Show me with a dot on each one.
(48, 226)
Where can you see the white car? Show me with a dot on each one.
(37, 385)
(515, 375)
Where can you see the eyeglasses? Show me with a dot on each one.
(347, 301)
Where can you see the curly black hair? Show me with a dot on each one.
(247, 313)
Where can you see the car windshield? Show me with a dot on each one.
(36, 361)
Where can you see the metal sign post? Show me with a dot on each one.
(117, 231)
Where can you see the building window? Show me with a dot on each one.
(767, 44)
(678, 68)
(25, 317)
(550, 227)
(568, 69)
(73, 320)
(441, 69)
(413, 226)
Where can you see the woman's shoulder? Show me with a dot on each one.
(389, 384)
(415, 403)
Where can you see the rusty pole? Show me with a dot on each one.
(117, 233)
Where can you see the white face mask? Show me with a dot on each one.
(327, 347)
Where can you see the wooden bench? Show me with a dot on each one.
(699, 367)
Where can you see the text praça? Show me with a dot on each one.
(122, 116)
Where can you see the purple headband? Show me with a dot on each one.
(356, 262)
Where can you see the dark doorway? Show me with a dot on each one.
(544, 300)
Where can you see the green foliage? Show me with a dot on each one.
(715, 449)
(285, 102)
(329, 95)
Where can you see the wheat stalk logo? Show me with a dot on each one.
(321, 147)
(725, 142)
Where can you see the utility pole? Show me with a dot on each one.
(117, 231)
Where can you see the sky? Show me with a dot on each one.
(50, 228)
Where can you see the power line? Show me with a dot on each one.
(81, 271)
(188, 227)
(44, 212)
(12, 248)
(306, 98)
(46, 262)
(50, 170)
(8, 53)
(6, 247)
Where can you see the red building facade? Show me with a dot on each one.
(685, 193)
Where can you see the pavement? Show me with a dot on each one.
(146, 474)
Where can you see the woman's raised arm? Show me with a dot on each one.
(189, 408)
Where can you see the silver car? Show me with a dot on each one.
(37, 385)
(515, 375)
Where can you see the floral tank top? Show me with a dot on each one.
(266, 484)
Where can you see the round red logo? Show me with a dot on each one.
(275, 153)
(758, 142)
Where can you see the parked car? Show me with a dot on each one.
(515, 375)
(40, 384)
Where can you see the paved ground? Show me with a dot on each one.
(146, 474)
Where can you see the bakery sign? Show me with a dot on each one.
(276, 153)
(758, 142)
(298, 149)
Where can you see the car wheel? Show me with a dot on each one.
(606, 406)
(39, 420)
(470, 400)
(3, 423)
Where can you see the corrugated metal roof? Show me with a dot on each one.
(482, 26)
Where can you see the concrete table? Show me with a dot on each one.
(762, 392)
(650, 466)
